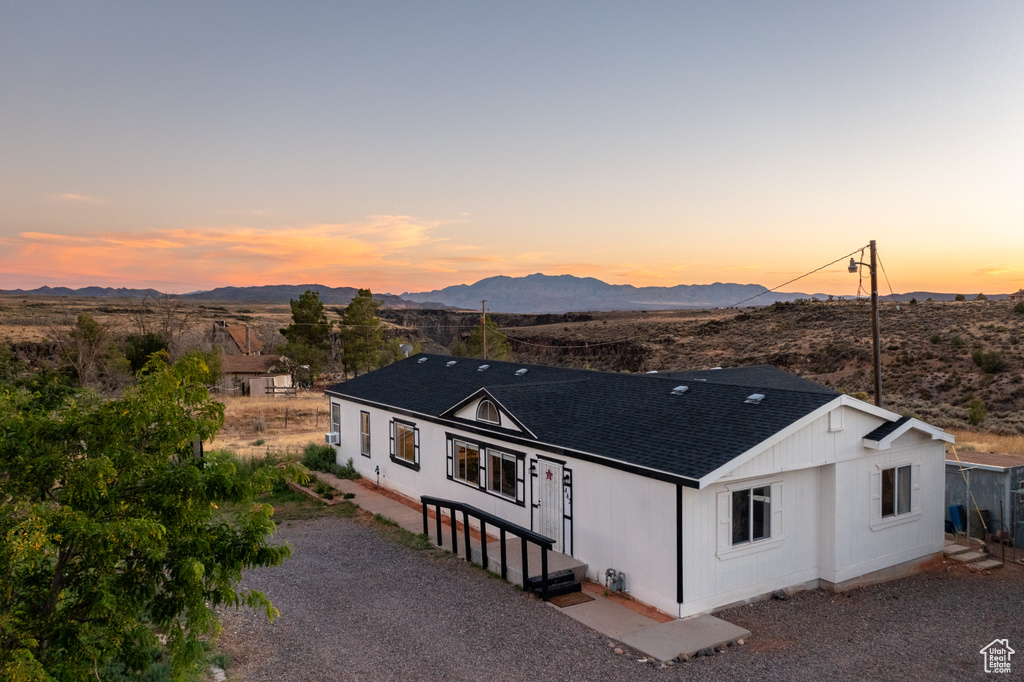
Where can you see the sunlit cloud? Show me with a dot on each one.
(80, 198)
(999, 269)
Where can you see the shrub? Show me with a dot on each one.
(936, 338)
(318, 457)
(981, 297)
(977, 412)
(957, 342)
(322, 488)
(991, 363)
(1019, 308)
(349, 496)
(959, 297)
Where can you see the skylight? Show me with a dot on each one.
(482, 368)
(520, 372)
(754, 398)
(679, 390)
(422, 360)
(450, 363)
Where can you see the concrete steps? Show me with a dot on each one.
(973, 559)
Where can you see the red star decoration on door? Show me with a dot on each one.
(549, 474)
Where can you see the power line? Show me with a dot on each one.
(768, 291)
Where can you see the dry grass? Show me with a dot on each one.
(989, 442)
(254, 426)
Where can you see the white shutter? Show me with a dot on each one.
(876, 496)
(915, 484)
(724, 521)
(776, 529)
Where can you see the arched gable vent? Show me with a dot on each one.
(487, 412)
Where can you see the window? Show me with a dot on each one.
(405, 444)
(502, 473)
(467, 462)
(336, 418)
(896, 491)
(364, 434)
(487, 412)
(751, 514)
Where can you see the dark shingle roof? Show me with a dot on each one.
(629, 418)
(886, 428)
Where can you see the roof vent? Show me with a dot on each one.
(422, 360)
(482, 368)
(679, 390)
(520, 372)
(450, 363)
(754, 398)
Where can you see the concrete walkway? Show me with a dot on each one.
(681, 638)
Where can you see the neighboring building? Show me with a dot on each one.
(705, 488)
(252, 374)
(236, 339)
(1019, 296)
(995, 480)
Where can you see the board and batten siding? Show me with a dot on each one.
(829, 526)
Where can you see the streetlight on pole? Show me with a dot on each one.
(874, 318)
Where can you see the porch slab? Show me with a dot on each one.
(676, 638)
(608, 618)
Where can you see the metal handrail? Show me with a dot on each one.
(525, 536)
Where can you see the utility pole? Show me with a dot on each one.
(875, 335)
(874, 325)
(483, 323)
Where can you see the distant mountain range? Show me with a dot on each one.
(564, 293)
(530, 294)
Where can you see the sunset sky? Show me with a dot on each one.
(407, 146)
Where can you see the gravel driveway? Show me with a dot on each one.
(357, 606)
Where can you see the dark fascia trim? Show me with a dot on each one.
(484, 393)
(535, 445)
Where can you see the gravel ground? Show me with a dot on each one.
(357, 606)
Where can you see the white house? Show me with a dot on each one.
(705, 488)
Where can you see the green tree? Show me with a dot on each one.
(138, 348)
(110, 532)
(308, 337)
(976, 412)
(1019, 308)
(981, 297)
(959, 297)
(498, 347)
(362, 332)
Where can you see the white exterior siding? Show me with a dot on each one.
(715, 573)
(825, 513)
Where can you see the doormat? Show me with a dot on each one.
(571, 599)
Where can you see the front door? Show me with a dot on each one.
(549, 499)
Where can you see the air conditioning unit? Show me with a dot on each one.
(332, 438)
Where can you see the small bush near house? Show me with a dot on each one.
(321, 458)
(321, 488)
(977, 412)
(1019, 308)
(318, 457)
